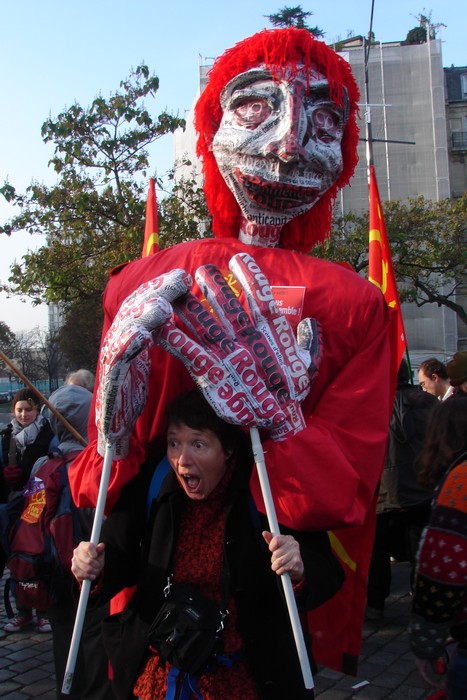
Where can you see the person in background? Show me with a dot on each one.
(433, 378)
(26, 438)
(81, 377)
(439, 611)
(457, 372)
(204, 530)
(403, 506)
(90, 680)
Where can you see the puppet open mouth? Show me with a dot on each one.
(276, 195)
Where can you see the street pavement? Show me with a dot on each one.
(386, 667)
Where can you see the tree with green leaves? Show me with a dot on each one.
(183, 214)
(418, 35)
(428, 248)
(93, 217)
(79, 337)
(293, 17)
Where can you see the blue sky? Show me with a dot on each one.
(55, 53)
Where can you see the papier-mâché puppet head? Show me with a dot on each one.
(278, 137)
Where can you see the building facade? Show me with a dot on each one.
(456, 111)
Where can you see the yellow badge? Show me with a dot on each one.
(36, 505)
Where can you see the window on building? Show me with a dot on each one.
(464, 86)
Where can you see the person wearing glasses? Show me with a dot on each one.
(433, 378)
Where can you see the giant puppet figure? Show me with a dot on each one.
(277, 134)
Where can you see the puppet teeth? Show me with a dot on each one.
(276, 195)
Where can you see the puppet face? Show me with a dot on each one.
(278, 146)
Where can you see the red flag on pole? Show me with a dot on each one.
(380, 268)
(151, 236)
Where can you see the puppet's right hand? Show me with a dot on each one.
(124, 358)
(249, 366)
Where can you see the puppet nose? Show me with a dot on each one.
(289, 148)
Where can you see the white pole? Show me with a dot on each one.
(385, 121)
(86, 587)
(285, 578)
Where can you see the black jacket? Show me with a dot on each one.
(399, 482)
(262, 613)
(32, 452)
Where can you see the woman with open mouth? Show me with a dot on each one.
(201, 530)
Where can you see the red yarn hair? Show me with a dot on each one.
(280, 50)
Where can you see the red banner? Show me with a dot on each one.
(380, 268)
(151, 235)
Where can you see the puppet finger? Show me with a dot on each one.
(222, 299)
(173, 284)
(310, 342)
(203, 324)
(148, 306)
(268, 319)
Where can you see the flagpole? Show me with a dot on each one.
(370, 163)
(369, 133)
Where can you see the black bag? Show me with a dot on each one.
(187, 631)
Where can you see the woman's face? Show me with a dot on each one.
(25, 413)
(197, 458)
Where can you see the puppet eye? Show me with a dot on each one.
(327, 124)
(250, 113)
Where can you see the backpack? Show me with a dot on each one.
(40, 527)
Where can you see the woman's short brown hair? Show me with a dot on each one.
(27, 395)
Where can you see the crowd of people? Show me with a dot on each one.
(29, 436)
(422, 519)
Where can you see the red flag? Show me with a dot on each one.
(380, 268)
(151, 236)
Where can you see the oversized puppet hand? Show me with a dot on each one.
(124, 358)
(251, 370)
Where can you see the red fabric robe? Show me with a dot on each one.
(325, 477)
